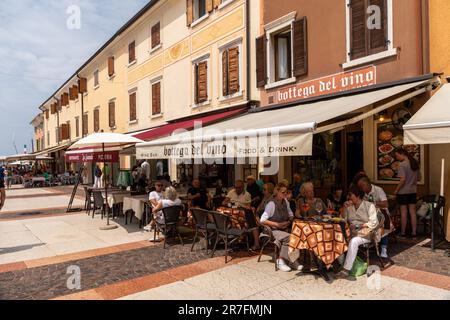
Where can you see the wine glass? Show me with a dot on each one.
(319, 207)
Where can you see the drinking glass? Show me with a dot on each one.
(319, 207)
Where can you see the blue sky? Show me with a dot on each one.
(38, 53)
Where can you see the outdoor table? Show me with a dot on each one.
(137, 204)
(327, 240)
(116, 197)
(238, 217)
(38, 180)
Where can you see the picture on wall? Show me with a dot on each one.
(389, 139)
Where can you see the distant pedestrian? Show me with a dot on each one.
(2, 188)
(98, 177)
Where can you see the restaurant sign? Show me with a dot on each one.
(340, 82)
(109, 156)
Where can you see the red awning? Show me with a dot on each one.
(168, 129)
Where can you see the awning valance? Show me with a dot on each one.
(431, 124)
(282, 132)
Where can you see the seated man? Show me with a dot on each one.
(254, 190)
(171, 200)
(363, 220)
(198, 196)
(377, 196)
(154, 198)
(238, 196)
(278, 216)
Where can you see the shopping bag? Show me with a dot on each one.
(359, 268)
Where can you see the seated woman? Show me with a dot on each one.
(278, 216)
(336, 198)
(268, 190)
(363, 220)
(308, 205)
(170, 200)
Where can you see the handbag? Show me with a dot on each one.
(359, 268)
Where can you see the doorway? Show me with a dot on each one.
(354, 152)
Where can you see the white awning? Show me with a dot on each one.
(281, 132)
(431, 124)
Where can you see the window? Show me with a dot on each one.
(198, 9)
(57, 135)
(77, 126)
(282, 53)
(369, 31)
(231, 73)
(156, 98)
(156, 35)
(85, 124)
(201, 82)
(96, 80)
(133, 115)
(112, 113)
(97, 120)
(132, 52)
(111, 70)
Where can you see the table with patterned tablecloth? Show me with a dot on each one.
(328, 241)
(238, 217)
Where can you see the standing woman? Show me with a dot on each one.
(406, 192)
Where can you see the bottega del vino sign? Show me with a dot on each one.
(331, 84)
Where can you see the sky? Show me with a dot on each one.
(39, 52)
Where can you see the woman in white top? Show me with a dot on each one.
(154, 198)
(362, 217)
(170, 200)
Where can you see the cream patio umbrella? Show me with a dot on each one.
(102, 141)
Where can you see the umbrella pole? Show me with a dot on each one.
(108, 226)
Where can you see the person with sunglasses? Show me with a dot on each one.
(154, 198)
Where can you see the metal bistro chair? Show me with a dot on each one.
(171, 221)
(222, 222)
(202, 226)
(374, 242)
(99, 203)
(268, 238)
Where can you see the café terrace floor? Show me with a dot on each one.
(38, 246)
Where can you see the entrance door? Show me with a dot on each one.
(354, 153)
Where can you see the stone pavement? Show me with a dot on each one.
(250, 280)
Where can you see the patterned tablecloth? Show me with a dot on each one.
(137, 204)
(326, 240)
(238, 220)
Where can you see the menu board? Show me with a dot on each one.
(389, 139)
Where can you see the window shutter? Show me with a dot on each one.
(112, 114)
(82, 85)
(47, 115)
(358, 29)
(65, 99)
(378, 38)
(156, 98)
(202, 81)
(77, 127)
(225, 83)
(59, 105)
(133, 106)
(85, 124)
(96, 120)
(209, 5)
(217, 3)
(189, 12)
(233, 70)
(111, 66)
(156, 35)
(68, 130)
(132, 52)
(52, 108)
(73, 93)
(261, 63)
(300, 47)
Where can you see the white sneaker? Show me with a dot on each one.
(384, 253)
(157, 239)
(148, 228)
(283, 266)
(300, 267)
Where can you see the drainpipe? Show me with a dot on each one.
(425, 10)
(82, 109)
(57, 118)
(248, 36)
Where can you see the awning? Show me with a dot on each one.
(53, 149)
(168, 129)
(431, 124)
(282, 132)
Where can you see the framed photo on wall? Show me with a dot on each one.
(388, 138)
